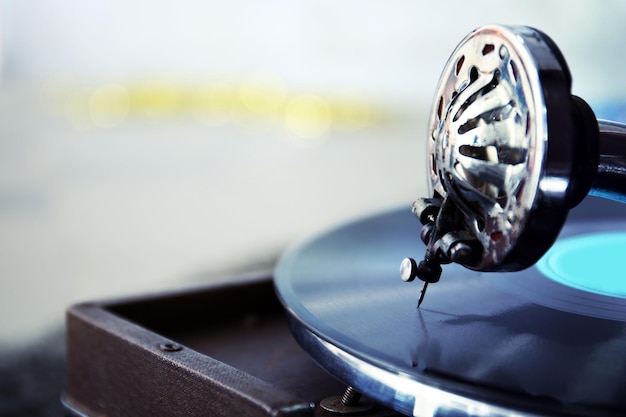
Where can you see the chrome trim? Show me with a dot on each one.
(488, 134)
(402, 392)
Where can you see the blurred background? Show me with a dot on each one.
(156, 145)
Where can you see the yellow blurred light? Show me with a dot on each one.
(214, 102)
(262, 93)
(109, 105)
(308, 116)
(352, 114)
(258, 102)
(157, 99)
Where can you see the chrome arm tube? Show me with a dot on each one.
(610, 180)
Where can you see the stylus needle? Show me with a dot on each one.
(422, 294)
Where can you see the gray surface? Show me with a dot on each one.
(32, 377)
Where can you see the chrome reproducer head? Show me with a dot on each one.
(510, 151)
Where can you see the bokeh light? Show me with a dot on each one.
(262, 93)
(308, 116)
(109, 105)
(257, 102)
(214, 102)
(157, 99)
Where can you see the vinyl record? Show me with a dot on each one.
(549, 340)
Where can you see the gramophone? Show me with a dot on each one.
(523, 232)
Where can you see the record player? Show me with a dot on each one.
(521, 242)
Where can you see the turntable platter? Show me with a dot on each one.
(524, 343)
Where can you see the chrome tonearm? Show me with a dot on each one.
(510, 152)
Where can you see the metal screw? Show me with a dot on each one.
(349, 403)
(169, 347)
(350, 397)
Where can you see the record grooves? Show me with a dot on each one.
(543, 347)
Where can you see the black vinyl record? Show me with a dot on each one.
(519, 341)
